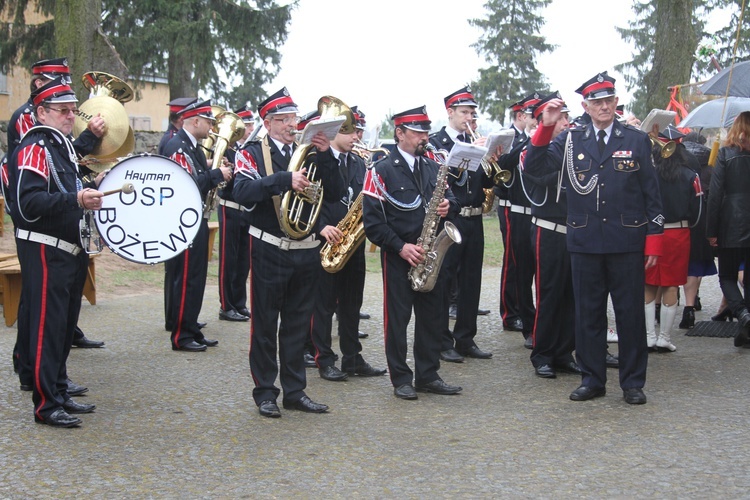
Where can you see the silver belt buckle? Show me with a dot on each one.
(284, 244)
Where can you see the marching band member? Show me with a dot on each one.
(397, 191)
(463, 262)
(342, 291)
(614, 229)
(234, 239)
(283, 270)
(189, 269)
(44, 174)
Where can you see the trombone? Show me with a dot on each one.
(491, 168)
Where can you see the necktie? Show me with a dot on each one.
(418, 174)
(601, 134)
(287, 150)
(461, 137)
(342, 167)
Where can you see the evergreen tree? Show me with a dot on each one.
(725, 39)
(510, 44)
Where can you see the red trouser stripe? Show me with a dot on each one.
(40, 335)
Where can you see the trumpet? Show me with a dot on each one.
(361, 149)
(491, 168)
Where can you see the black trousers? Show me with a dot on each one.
(554, 324)
(188, 271)
(430, 319)
(282, 283)
(234, 258)
(345, 288)
(729, 265)
(595, 277)
(52, 286)
(464, 262)
(509, 306)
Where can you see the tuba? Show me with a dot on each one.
(424, 276)
(108, 94)
(227, 129)
(299, 211)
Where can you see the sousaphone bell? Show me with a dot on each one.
(108, 94)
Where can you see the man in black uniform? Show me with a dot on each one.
(553, 331)
(43, 172)
(188, 270)
(398, 190)
(234, 239)
(175, 125)
(282, 270)
(341, 291)
(516, 306)
(614, 229)
(463, 262)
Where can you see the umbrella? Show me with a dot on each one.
(740, 86)
(708, 115)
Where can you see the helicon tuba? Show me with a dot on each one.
(227, 129)
(108, 94)
(300, 210)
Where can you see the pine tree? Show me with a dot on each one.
(510, 43)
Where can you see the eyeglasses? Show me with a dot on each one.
(64, 111)
(288, 120)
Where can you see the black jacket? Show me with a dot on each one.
(729, 199)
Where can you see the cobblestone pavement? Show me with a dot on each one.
(172, 424)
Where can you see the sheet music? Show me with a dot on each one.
(466, 156)
(503, 138)
(329, 126)
(659, 117)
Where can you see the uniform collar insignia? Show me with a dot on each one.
(617, 132)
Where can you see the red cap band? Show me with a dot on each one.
(274, 104)
(52, 68)
(458, 97)
(410, 119)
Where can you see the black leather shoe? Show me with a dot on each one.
(365, 370)
(201, 326)
(245, 312)
(474, 352)
(483, 312)
(723, 315)
(515, 325)
(75, 389)
(612, 361)
(545, 371)
(332, 373)
(634, 396)
(26, 387)
(59, 418)
(584, 393)
(232, 315)
(451, 356)
(310, 361)
(306, 404)
(742, 335)
(191, 346)
(571, 367)
(528, 342)
(405, 391)
(364, 315)
(453, 311)
(688, 318)
(85, 343)
(362, 335)
(269, 409)
(439, 387)
(208, 342)
(72, 406)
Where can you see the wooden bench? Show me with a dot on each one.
(213, 228)
(10, 282)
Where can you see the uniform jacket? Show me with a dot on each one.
(541, 191)
(624, 205)
(349, 188)
(729, 199)
(680, 198)
(41, 157)
(181, 150)
(389, 226)
(254, 189)
(171, 132)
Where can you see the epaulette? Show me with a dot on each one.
(631, 127)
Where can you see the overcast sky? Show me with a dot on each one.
(392, 55)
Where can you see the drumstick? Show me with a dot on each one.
(126, 188)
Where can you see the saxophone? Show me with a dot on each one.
(424, 276)
(334, 256)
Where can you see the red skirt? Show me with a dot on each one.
(671, 267)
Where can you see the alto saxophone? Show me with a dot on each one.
(424, 276)
(334, 256)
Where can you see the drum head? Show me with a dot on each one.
(159, 219)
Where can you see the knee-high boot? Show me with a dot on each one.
(650, 309)
(668, 313)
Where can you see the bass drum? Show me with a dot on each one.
(159, 219)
